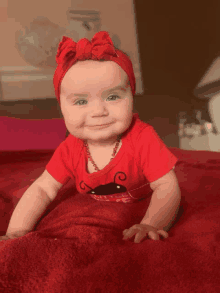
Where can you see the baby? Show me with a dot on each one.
(110, 153)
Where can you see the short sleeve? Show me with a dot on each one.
(155, 158)
(59, 165)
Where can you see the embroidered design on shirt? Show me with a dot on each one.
(114, 191)
(107, 189)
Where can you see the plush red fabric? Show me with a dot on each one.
(77, 245)
(31, 134)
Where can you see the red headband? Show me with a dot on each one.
(100, 47)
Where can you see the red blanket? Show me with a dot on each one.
(77, 245)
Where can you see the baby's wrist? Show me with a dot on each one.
(16, 234)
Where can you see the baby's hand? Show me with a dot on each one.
(11, 236)
(141, 231)
(5, 237)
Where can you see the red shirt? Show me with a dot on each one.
(142, 159)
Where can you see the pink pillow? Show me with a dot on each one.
(24, 134)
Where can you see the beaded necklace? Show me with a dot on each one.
(113, 154)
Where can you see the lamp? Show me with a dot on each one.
(209, 88)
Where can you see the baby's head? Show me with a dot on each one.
(88, 96)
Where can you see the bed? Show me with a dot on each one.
(77, 244)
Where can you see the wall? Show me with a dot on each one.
(3, 10)
(20, 14)
(21, 81)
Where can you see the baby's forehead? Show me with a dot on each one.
(91, 66)
(88, 72)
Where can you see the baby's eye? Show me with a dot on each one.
(76, 103)
(113, 96)
(79, 101)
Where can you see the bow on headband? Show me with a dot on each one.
(100, 46)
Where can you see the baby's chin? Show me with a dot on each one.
(96, 138)
(96, 135)
(99, 138)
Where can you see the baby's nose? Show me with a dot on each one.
(99, 106)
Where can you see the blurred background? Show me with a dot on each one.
(171, 44)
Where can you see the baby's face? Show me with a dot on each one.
(88, 101)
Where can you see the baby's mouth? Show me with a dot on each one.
(100, 126)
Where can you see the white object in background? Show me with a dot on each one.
(196, 129)
(209, 88)
(214, 111)
(181, 130)
(83, 24)
(38, 43)
(214, 142)
(197, 143)
(208, 142)
(208, 127)
(211, 75)
(192, 129)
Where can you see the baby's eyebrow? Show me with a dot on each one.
(119, 87)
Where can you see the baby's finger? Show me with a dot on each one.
(139, 236)
(4, 238)
(153, 235)
(163, 233)
(130, 233)
(125, 231)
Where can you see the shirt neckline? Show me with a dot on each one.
(110, 164)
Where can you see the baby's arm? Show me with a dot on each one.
(32, 205)
(162, 210)
(164, 206)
